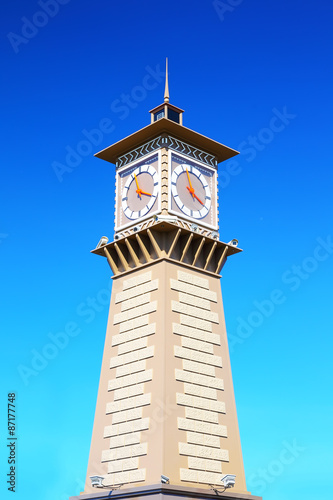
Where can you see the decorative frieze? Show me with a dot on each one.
(169, 142)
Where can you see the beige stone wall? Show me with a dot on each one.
(166, 402)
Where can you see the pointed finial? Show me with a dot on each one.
(166, 91)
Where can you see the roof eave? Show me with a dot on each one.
(113, 152)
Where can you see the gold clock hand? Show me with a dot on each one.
(191, 190)
(137, 185)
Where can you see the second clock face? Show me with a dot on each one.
(190, 191)
(193, 190)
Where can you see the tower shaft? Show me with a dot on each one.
(165, 401)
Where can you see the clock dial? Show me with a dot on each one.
(190, 191)
(140, 192)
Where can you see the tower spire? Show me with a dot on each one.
(166, 91)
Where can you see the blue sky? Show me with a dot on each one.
(253, 75)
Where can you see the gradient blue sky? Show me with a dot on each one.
(232, 72)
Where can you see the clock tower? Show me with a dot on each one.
(165, 421)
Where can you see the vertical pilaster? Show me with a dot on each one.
(164, 180)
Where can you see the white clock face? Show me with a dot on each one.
(190, 191)
(140, 192)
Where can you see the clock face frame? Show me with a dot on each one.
(138, 191)
(190, 204)
(192, 190)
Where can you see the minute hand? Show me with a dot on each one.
(191, 190)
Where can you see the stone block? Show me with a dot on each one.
(193, 333)
(193, 366)
(203, 452)
(127, 427)
(198, 356)
(125, 440)
(203, 415)
(137, 290)
(193, 279)
(197, 378)
(126, 415)
(197, 345)
(123, 465)
(135, 301)
(182, 286)
(196, 323)
(137, 366)
(127, 392)
(128, 380)
(134, 313)
(203, 439)
(204, 465)
(137, 280)
(131, 325)
(194, 301)
(200, 391)
(132, 345)
(126, 404)
(140, 332)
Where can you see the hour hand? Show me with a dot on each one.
(195, 196)
(191, 190)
